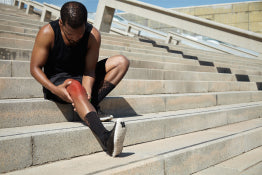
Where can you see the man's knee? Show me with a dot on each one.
(123, 62)
(75, 88)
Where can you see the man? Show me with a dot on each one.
(68, 50)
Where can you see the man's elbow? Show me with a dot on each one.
(34, 69)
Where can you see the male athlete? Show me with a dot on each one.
(68, 50)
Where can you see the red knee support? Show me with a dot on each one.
(76, 90)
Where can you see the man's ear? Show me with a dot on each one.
(60, 22)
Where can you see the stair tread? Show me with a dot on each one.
(236, 165)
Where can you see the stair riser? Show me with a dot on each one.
(13, 88)
(20, 19)
(33, 113)
(17, 29)
(139, 49)
(15, 13)
(212, 55)
(22, 69)
(15, 54)
(19, 24)
(128, 44)
(21, 36)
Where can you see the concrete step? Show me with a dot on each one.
(158, 74)
(25, 54)
(135, 45)
(221, 62)
(17, 29)
(22, 14)
(7, 54)
(182, 154)
(19, 87)
(21, 19)
(247, 163)
(191, 50)
(213, 56)
(10, 68)
(109, 45)
(131, 51)
(17, 43)
(11, 26)
(19, 24)
(22, 69)
(36, 111)
(6, 8)
(224, 58)
(231, 63)
(144, 50)
(203, 53)
(113, 37)
(28, 44)
(150, 70)
(245, 72)
(17, 35)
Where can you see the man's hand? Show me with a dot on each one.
(61, 92)
(88, 95)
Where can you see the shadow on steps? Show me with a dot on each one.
(168, 49)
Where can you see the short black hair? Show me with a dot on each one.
(74, 14)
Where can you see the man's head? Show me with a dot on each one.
(73, 20)
(74, 14)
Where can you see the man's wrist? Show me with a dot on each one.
(88, 96)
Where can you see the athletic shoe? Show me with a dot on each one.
(103, 116)
(114, 144)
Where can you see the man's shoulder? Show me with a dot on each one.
(46, 31)
(95, 33)
(45, 35)
(94, 38)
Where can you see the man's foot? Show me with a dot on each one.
(103, 116)
(114, 143)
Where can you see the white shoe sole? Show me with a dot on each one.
(119, 137)
(106, 119)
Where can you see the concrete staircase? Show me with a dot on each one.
(186, 110)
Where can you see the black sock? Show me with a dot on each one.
(101, 93)
(97, 127)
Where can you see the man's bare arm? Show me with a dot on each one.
(91, 60)
(43, 44)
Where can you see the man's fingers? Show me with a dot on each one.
(67, 83)
(69, 98)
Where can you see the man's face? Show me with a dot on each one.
(73, 36)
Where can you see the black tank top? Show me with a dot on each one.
(64, 60)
